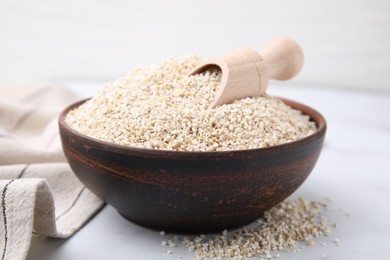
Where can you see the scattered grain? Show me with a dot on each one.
(168, 252)
(171, 244)
(282, 228)
(310, 242)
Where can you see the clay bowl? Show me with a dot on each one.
(192, 191)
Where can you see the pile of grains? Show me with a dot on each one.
(282, 228)
(161, 107)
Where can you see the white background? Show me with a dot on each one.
(346, 42)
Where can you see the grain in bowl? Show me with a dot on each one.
(164, 160)
(161, 107)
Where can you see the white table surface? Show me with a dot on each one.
(353, 171)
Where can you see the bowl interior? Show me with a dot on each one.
(314, 115)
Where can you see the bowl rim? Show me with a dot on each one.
(314, 115)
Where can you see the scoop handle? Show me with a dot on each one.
(283, 58)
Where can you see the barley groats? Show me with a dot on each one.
(161, 107)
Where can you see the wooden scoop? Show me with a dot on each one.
(245, 73)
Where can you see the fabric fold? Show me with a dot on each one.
(40, 195)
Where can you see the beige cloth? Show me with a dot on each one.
(38, 191)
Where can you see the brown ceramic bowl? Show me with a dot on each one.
(192, 191)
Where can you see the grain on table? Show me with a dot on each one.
(282, 228)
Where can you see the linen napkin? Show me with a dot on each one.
(39, 193)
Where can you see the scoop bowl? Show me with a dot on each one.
(192, 191)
